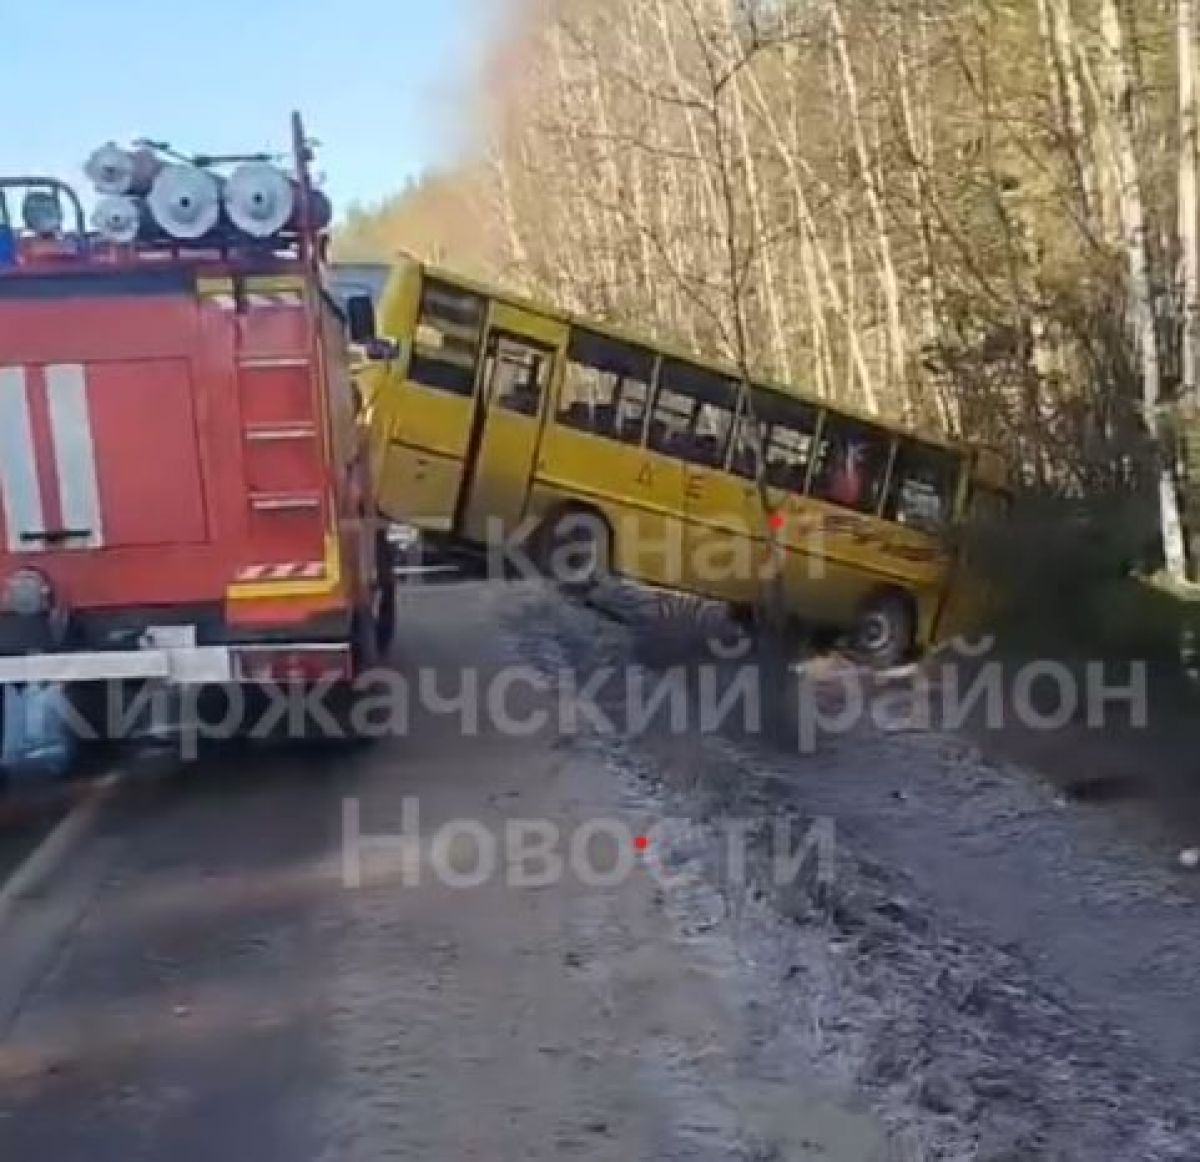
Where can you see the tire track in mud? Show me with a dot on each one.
(974, 1024)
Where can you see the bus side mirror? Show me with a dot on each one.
(360, 313)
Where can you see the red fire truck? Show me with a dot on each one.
(185, 494)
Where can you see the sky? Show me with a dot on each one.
(384, 85)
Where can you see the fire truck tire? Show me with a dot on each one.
(574, 549)
(344, 703)
(384, 616)
(344, 700)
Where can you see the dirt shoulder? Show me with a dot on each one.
(1129, 748)
(1002, 972)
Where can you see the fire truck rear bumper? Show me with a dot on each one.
(196, 665)
(191, 666)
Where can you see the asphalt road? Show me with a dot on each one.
(202, 978)
(972, 967)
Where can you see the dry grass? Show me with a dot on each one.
(1079, 579)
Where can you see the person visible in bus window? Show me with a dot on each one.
(848, 480)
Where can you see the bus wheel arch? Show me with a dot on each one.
(884, 633)
(574, 546)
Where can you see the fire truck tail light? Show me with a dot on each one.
(287, 664)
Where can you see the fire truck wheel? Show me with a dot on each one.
(884, 633)
(575, 550)
(344, 710)
(385, 597)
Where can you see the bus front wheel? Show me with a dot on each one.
(575, 550)
(885, 632)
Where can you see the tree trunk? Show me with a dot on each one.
(868, 174)
(1134, 229)
(1188, 211)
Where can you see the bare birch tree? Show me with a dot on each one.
(981, 215)
(1123, 98)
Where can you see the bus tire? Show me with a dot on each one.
(575, 550)
(884, 633)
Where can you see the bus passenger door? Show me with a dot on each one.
(424, 405)
(521, 353)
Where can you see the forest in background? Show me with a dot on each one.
(974, 214)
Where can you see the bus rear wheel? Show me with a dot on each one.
(575, 550)
(884, 633)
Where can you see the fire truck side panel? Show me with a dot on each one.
(116, 433)
(350, 444)
(171, 455)
(151, 491)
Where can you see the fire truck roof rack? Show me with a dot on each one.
(155, 202)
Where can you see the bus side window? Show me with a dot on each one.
(693, 414)
(633, 397)
(789, 445)
(447, 338)
(518, 376)
(711, 437)
(923, 487)
(671, 422)
(852, 464)
(744, 460)
(585, 390)
(605, 387)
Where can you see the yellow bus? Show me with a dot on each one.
(522, 432)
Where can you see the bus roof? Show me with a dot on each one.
(672, 351)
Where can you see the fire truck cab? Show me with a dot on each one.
(185, 494)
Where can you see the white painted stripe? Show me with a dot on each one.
(84, 667)
(266, 361)
(179, 666)
(20, 494)
(282, 572)
(296, 432)
(74, 450)
(283, 503)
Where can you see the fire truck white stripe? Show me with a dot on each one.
(20, 494)
(74, 450)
